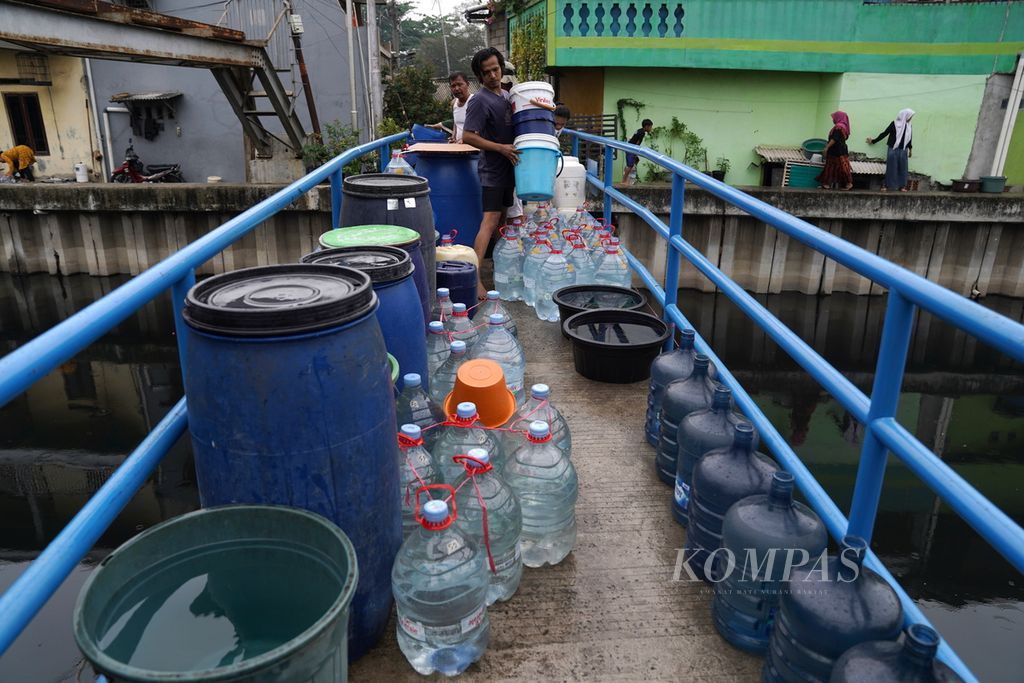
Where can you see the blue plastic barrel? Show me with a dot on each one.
(390, 269)
(454, 191)
(390, 236)
(460, 279)
(423, 134)
(290, 403)
(389, 199)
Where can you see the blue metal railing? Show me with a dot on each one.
(33, 361)
(907, 292)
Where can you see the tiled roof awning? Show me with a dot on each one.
(780, 154)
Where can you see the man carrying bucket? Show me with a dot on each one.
(489, 129)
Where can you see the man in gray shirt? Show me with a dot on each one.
(489, 129)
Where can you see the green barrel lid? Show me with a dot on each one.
(394, 368)
(369, 236)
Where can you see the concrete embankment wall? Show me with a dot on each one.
(963, 242)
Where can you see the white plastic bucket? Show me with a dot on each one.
(532, 90)
(570, 185)
(81, 172)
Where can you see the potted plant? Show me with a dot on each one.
(722, 167)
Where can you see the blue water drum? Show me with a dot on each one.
(681, 397)
(533, 121)
(762, 534)
(389, 199)
(722, 477)
(290, 403)
(389, 236)
(454, 190)
(827, 609)
(885, 661)
(460, 279)
(390, 269)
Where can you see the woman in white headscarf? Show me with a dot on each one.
(900, 143)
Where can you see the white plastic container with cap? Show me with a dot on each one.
(81, 172)
(570, 185)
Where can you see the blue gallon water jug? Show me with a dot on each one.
(682, 397)
(290, 403)
(722, 477)
(667, 367)
(390, 269)
(884, 661)
(761, 533)
(824, 614)
(699, 433)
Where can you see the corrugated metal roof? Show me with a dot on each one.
(144, 96)
(780, 154)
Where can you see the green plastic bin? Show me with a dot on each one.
(993, 183)
(239, 594)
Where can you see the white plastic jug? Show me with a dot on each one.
(449, 251)
(81, 172)
(570, 185)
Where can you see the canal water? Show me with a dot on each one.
(64, 437)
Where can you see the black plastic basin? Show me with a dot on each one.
(615, 345)
(578, 298)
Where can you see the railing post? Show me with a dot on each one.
(885, 397)
(608, 161)
(675, 229)
(336, 194)
(179, 290)
(576, 146)
(385, 156)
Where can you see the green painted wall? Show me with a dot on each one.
(733, 111)
(789, 35)
(1014, 170)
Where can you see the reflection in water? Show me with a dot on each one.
(64, 437)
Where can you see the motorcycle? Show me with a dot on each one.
(131, 170)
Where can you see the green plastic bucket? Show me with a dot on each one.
(394, 369)
(239, 594)
(993, 183)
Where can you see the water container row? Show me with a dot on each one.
(536, 258)
(505, 501)
(778, 592)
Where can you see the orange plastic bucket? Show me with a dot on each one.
(482, 382)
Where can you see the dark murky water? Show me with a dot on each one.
(64, 437)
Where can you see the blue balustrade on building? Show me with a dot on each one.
(907, 293)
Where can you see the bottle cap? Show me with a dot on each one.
(412, 379)
(743, 432)
(436, 327)
(493, 295)
(443, 292)
(435, 511)
(540, 391)
(466, 410)
(412, 431)
(539, 429)
(459, 308)
(478, 454)
(458, 346)
(496, 319)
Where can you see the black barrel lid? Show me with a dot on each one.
(385, 185)
(382, 264)
(280, 300)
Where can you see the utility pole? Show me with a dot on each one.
(352, 64)
(373, 47)
(295, 28)
(396, 40)
(444, 38)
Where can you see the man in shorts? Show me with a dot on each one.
(638, 138)
(489, 129)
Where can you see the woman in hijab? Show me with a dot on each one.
(900, 143)
(837, 155)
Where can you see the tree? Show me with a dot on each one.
(409, 97)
